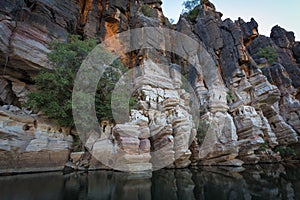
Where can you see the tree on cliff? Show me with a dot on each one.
(191, 9)
(54, 87)
(190, 5)
(268, 53)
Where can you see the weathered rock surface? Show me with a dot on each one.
(157, 135)
(247, 105)
(250, 92)
(28, 143)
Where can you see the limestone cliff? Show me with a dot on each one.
(247, 107)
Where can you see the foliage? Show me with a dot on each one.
(230, 97)
(193, 14)
(54, 87)
(147, 11)
(268, 53)
(191, 9)
(264, 146)
(190, 5)
(285, 151)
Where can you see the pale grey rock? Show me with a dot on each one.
(27, 143)
(217, 100)
(255, 136)
(220, 141)
(290, 111)
(264, 92)
(285, 133)
(92, 137)
(37, 145)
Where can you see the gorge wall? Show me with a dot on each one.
(248, 107)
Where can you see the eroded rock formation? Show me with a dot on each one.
(29, 143)
(247, 107)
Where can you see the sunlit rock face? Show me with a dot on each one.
(247, 106)
(28, 143)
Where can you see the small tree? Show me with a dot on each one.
(54, 87)
(268, 53)
(191, 10)
(190, 5)
(148, 11)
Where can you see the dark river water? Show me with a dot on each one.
(214, 183)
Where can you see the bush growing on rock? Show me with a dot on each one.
(286, 152)
(268, 53)
(54, 87)
(148, 12)
(191, 9)
(190, 4)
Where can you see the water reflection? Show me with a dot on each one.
(255, 182)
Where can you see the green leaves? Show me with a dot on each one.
(285, 152)
(148, 11)
(54, 87)
(190, 4)
(268, 53)
(191, 10)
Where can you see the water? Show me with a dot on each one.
(209, 183)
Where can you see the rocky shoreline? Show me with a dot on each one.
(250, 106)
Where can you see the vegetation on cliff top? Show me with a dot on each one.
(191, 9)
(190, 5)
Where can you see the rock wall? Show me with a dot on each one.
(262, 103)
(29, 143)
(159, 131)
(247, 106)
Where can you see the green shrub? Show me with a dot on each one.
(193, 14)
(231, 97)
(268, 53)
(286, 151)
(54, 87)
(191, 10)
(263, 147)
(148, 12)
(190, 4)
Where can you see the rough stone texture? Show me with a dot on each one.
(6, 93)
(253, 133)
(250, 92)
(249, 30)
(285, 133)
(296, 51)
(29, 27)
(249, 105)
(283, 42)
(157, 135)
(220, 143)
(30, 144)
(288, 106)
(282, 38)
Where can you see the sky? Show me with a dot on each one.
(267, 13)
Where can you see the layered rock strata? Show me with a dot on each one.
(28, 143)
(247, 106)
